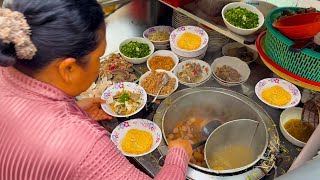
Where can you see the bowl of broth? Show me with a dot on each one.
(293, 128)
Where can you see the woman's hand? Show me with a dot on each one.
(92, 107)
(181, 143)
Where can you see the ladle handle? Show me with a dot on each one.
(163, 151)
(195, 146)
(300, 45)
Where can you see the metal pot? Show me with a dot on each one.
(211, 105)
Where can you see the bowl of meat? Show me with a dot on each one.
(151, 82)
(193, 72)
(124, 99)
(230, 71)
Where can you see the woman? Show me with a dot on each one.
(44, 133)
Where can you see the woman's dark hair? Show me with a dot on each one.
(60, 29)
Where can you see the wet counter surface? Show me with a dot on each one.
(120, 25)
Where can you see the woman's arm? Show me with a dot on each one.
(105, 161)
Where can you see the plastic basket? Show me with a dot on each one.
(305, 63)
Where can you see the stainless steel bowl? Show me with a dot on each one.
(211, 105)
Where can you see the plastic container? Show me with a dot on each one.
(291, 27)
(305, 64)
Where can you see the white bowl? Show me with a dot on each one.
(187, 58)
(286, 115)
(153, 29)
(238, 30)
(225, 83)
(236, 45)
(206, 72)
(164, 53)
(140, 40)
(176, 34)
(236, 63)
(112, 91)
(162, 47)
(289, 87)
(121, 130)
(145, 75)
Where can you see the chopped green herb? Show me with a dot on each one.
(135, 49)
(242, 18)
(124, 97)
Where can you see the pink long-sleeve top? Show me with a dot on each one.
(45, 136)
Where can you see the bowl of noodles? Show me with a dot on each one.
(136, 137)
(158, 35)
(124, 99)
(189, 41)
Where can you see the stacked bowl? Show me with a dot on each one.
(179, 19)
(217, 40)
(241, 67)
(159, 44)
(184, 54)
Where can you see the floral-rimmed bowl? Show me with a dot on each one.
(153, 29)
(169, 73)
(121, 130)
(177, 33)
(205, 67)
(289, 87)
(128, 86)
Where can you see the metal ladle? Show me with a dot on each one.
(164, 81)
(205, 132)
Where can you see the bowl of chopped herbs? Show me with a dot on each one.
(242, 18)
(136, 50)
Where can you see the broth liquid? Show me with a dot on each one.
(231, 157)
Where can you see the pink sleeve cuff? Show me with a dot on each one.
(177, 157)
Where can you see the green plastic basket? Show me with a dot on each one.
(305, 63)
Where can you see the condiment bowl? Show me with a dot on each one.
(170, 74)
(153, 29)
(164, 53)
(121, 130)
(289, 87)
(236, 45)
(140, 40)
(286, 115)
(114, 89)
(206, 72)
(235, 63)
(177, 33)
(238, 30)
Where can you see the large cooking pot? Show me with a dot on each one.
(213, 105)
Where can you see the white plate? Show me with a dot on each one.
(206, 71)
(112, 91)
(121, 130)
(290, 88)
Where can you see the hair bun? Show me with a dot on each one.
(15, 29)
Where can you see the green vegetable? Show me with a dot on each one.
(124, 97)
(242, 18)
(135, 50)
